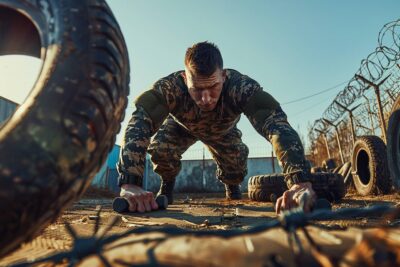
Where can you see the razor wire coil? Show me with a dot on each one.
(383, 62)
(290, 221)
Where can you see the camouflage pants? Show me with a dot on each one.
(172, 140)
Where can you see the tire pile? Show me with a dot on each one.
(367, 173)
(270, 187)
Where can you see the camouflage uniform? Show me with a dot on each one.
(168, 111)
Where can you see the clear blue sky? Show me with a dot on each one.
(292, 48)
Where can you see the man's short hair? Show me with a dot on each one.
(203, 58)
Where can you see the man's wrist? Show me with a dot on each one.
(124, 178)
(298, 177)
(301, 185)
(130, 186)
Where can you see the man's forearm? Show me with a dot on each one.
(124, 179)
(286, 144)
(290, 153)
(133, 152)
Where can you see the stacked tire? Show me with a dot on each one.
(268, 188)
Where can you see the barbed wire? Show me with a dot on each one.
(381, 67)
(290, 221)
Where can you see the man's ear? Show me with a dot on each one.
(224, 74)
(183, 74)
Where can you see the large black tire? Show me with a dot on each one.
(60, 136)
(266, 187)
(393, 147)
(369, 166)
(270, 187)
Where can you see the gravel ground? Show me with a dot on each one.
(190, 211)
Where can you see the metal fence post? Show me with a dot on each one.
(337, 138)
(378, 100)
(323, 133)
(350, 111)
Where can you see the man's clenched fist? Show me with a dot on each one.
(139, 199)
(291, 198)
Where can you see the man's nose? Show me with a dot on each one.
(205, 97)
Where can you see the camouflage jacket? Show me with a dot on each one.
(240, 94)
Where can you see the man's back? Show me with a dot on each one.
(236, 92)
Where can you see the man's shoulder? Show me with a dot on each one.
(172, 87)
(238, 83)
(234, 77)
(174, 79)
(232, 74)
(175, 75)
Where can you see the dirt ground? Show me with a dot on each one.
(190, 211)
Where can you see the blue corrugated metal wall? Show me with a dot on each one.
(7, 108)
(107, 176)
(194, 176)
(113, 157)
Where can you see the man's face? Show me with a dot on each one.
(205, 90)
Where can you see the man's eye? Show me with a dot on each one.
(195, 90)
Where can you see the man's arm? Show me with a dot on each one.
(133, 151)
(268, 118)
(151, 110)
